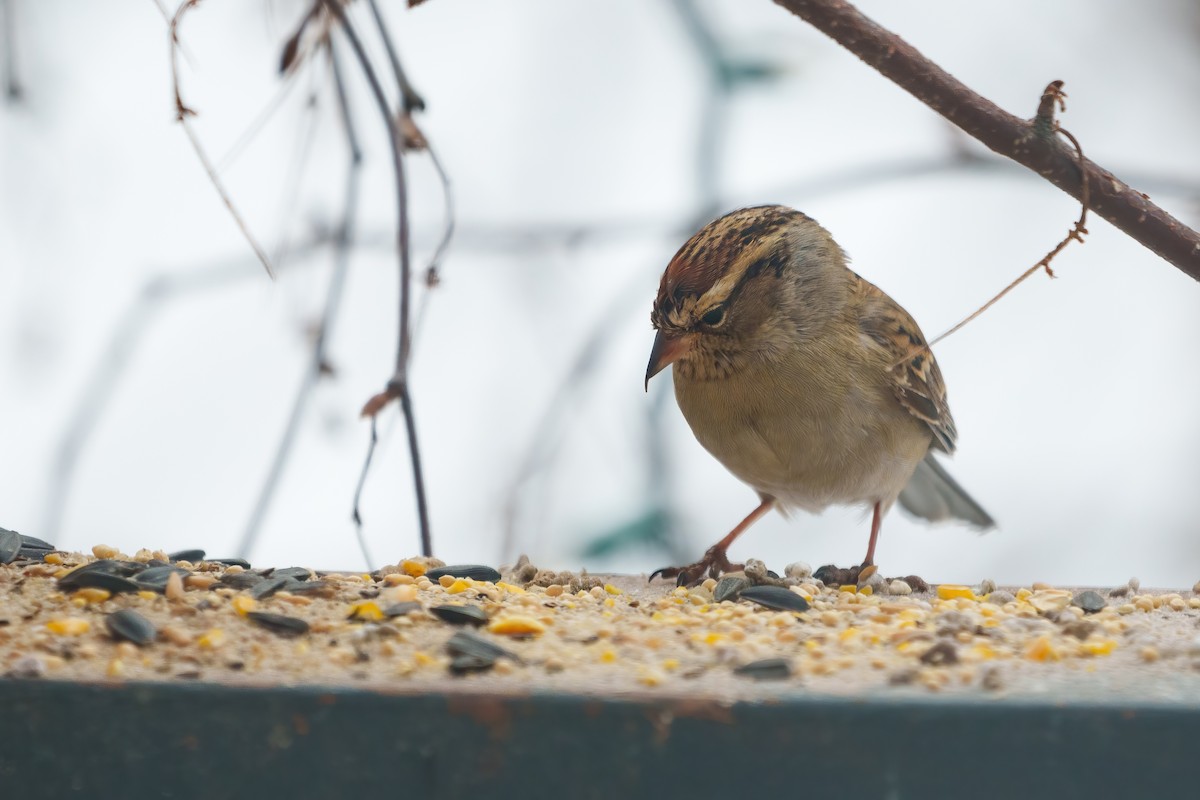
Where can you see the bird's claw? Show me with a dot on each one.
(713, 564)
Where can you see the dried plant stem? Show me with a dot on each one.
(183, 114)
(1127, 209)
(398, 387)
(343, 245)
(12, 85)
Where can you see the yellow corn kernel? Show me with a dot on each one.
(867, 590)
(981, 652)
(651, 677)
(848, 587)
(62, 573)
(512, 588)
(368, 611)
(670, 664)
(1098, 647)
(1023, 593)
(115, 668)
(92, 595)
(243, 603)
(951, 591)
(423, 659)
(608, 587)
(608, 656)
(53, 558)
(413, 568)
(147, 595)
(610, 603)
(458, 586)
(848, 634)
(212, 639)
(69, 626)
(1042, 649)
(517, 626)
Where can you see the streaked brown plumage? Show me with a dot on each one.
(807, 382)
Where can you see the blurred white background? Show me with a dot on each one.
(147, 365)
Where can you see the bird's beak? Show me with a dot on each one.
(668, 348)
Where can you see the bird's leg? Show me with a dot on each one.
(876, 523)
(715, 561)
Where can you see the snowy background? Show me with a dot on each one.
(147, 365)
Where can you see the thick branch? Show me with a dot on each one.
(1020, 140)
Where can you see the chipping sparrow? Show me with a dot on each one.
(807, 382)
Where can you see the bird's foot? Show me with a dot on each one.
(713, 564)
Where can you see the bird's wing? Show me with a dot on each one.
(915, 378)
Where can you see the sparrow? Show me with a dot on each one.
(804, 380)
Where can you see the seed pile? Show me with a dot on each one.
(159, 616)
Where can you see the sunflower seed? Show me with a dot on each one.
(279, 623)
(33, 547)
(941, 653)
(299, 573)
(231, 562)
(400, 609)
(471, 644)
(476, 572)
(461, 665)
(155, 578)
(129, 625)
(729, 587)
(10, 546)
(265, 588)
(776, 597)
(186, 555)
(766, 669)
(103, 574)
(241, 580)
(318, 588)
(1089, 601)
(460, 614)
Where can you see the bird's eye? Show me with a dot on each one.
(714, 317)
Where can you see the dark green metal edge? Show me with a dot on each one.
(143, 740)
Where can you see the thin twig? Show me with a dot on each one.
(410, 100)
(1053, 96)
(182, 114)
(398, 387)
(12, 86)
(343, 247)
(1113, 199)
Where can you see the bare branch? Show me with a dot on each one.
(1025, 142)
(12, 86)
(398, 386)
(182, 114)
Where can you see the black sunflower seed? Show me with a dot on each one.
(129, 625)
(103, 574)
(1090, 601)
(729, 587)
(461, 665)
(400, 609)
(299, 573)
(231, 562)
(779, 598)
(464, 643)
(319, 588)
(279, 623)
(155, 578)
(34, 543)
(241, 580)
(268, 587)
(10, 546)
(460, 614)
(766, 669)
(186, 555)
(476, 572)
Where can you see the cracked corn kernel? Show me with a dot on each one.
(91, 595)
(413, 568)
(608, 655)
(952, 591)
(53, 558)
(212, 639)
(116, 668)
(243, 604)
(367, 610)
(1023, 593)
(105, 551)
(1098, 647)
(651, 677)
(608, 587)
(68, 626)
(517, 626)
(1042, 649)
(145, 594)
(670, 664)
(458, 585)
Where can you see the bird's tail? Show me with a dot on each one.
(933, 495)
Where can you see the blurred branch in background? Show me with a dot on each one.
(12, 85)
(402, 134)
(318, 364)
(1025, 142)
